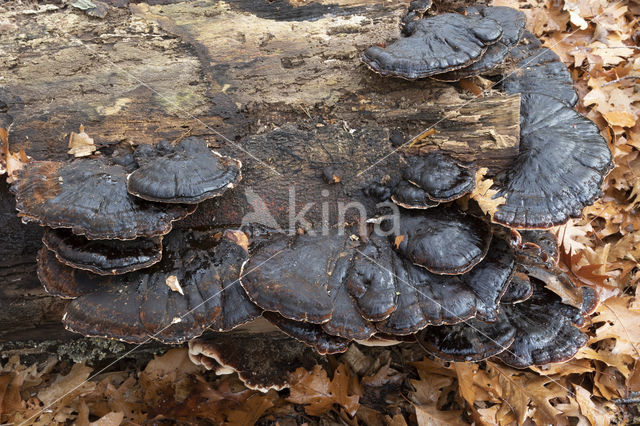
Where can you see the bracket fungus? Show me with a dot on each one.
(173, 301)
(66, 282)
(512, 23)
(519, 290)
(197, 172)
(104, 257)
(562, 159)
(410, 196)
(434, 45)
(439, 176)
(473, 340)
(261, 364)
(310, 334)
(90, 197)
(565, 148)
(443, 240)
(545, 331)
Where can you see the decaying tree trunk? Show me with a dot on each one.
(277, 84)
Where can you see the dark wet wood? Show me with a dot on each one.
(223, 71)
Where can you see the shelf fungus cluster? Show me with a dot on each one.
(463, 285)
(510, 312)
(108, 242)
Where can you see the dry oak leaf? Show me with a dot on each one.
(528, 395)
(620, 118)
(573, 236)
(315, 390)
(425, 402)
(251, 411)
(589, 274)
(484, 195)
(73, 383)
(620, 361)
(433, 379)
(584, 410)
(619, 320)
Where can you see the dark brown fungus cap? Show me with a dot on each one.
(65, 282)
(90, 197)
(443, 240)
(561, 165)
(371, 280)
(544, 245)
(540, 70)
(112, 312)
(172, 301)
(303, 278)
(512, 22)
(434, 45)
(346, 321)
(309, 334)
(440, 176)
(426, 299)
(544, 331)
(290, 275)
(237, 309)
(194, 171)
(104, 257)
(261, 364)
(490, 279)
(519, 290)
(415, 11)
(473, 340)
(409, 196)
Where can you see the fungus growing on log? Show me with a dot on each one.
(473, 340)
(309, 334)
(439, 176)
(544, 331)
(261, 364)
(66, 282)
(566, 149)
(446, 276)
(410, 196)
(443, 240)
(512, 23)
(195, 171)
(104, 257)
(434, 45)
(90, 197)
(172, 301)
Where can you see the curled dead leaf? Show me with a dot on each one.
(80, 144)
(173, 283)
(484, 195)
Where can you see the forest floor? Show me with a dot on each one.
(599, 41)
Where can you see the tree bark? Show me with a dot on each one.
(277, 84)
